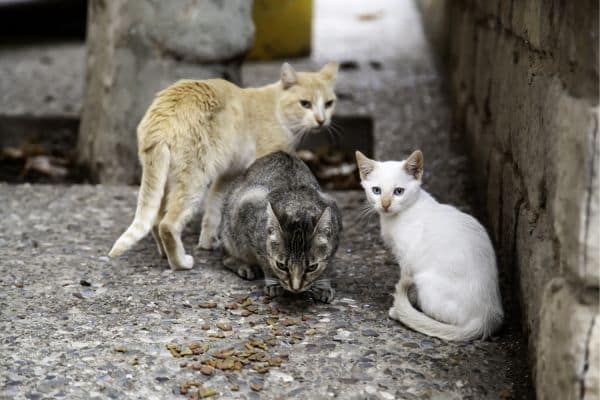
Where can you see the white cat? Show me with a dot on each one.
(445, 254)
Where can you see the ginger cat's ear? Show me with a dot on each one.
(414, 164)
(288, 76)
(329, 71)
(365, 165)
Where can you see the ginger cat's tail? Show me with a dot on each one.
(154, 178)
(403, 311)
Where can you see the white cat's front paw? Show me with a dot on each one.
(393, 314)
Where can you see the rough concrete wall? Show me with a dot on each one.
(524, 80)
(136, 48)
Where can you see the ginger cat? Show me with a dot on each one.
(198, 132)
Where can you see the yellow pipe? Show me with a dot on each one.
(283, 29)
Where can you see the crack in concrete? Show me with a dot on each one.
(586, 359)
(589, 192)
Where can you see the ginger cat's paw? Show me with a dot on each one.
(185, 264)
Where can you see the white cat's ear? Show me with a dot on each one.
(329, 71)
(273, 227)
(324, 225)
(289, 77)
(365, 165)
(414, 164)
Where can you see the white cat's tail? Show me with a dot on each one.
(154, 179)
(403, 311)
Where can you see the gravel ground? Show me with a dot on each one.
(74, 324)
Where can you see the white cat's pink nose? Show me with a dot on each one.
(320, 121)
(386, 202)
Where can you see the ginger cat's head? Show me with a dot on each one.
(391, 186)
(307, 100)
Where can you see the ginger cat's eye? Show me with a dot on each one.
(398, 191)
(376, 190)
(329, 103)
(281, 266)
(313, 267)
(305, 103)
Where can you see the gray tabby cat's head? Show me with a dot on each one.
(298, 249)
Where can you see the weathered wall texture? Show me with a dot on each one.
(136, 48)
(524, 81)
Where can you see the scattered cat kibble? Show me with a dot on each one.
(224, 326)
(207, 304)
(207, 370)
(120, 349)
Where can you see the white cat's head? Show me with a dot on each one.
(391, 186)
(307, 99)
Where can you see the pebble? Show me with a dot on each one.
(369, 332)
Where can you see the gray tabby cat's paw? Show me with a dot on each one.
(247, 272)
(323, 294)
(273, 290)
(208, 241)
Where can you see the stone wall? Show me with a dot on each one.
(136, 48)
(524, 83)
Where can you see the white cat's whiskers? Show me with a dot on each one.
(365, 213)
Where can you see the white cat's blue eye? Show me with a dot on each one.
(376, 190)
(398, 191)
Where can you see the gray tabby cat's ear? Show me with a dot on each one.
(289, 77)
(329, 71)
(365, 165)
(414, 164)
(324, 224)
(273, 227)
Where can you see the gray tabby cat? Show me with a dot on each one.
(276, 221)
